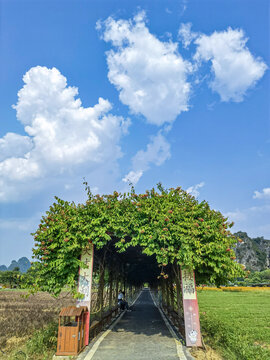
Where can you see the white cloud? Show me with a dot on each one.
(186, 35)
(168, 11)
(150, 74)
(157, 152)
(63, 137)
(264, 194)
(235, 69)
(194, 190)
(236, 215)
(14, 145)
(133, 177)
(183, 7)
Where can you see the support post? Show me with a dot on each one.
(116, 289)
(111, 288)
(178, 291)
(85, 285)
(167, 294)
(162, 292)
(191, 309)
(172, 293)
(101, 287)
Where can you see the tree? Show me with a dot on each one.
(11, 278)
(169, 224)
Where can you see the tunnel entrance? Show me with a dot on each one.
(130, 271)
(133, 266)
(160, 238)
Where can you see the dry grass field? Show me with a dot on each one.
(20, 316)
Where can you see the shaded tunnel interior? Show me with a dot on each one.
(133, 266)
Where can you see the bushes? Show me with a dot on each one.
(41, 345)
(43, 340)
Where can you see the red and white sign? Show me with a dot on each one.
(191, 309)
(85, 284)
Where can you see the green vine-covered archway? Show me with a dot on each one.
(169, 224)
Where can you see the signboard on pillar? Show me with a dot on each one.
(191, 309)
(85, 284)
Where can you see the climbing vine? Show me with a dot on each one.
(170, 224)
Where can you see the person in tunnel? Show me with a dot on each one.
(122, 303)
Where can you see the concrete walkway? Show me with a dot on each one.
(139, 335)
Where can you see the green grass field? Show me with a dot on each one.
(237, 324)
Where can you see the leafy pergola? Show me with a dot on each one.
(141, 234)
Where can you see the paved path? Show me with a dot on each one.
(140, 335)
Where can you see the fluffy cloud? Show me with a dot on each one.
(186, 35)
(157, 152)
(194, 190)
(133, 177)
(150, 75)
(63, 136)
(264, 194)
(235, 69)
(14, 145)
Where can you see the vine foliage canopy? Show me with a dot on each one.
(169, 224)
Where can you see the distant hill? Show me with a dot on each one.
(23, 264)
(254, 253)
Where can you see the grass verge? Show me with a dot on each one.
(236, 323)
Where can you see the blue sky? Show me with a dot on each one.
(170, 91)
